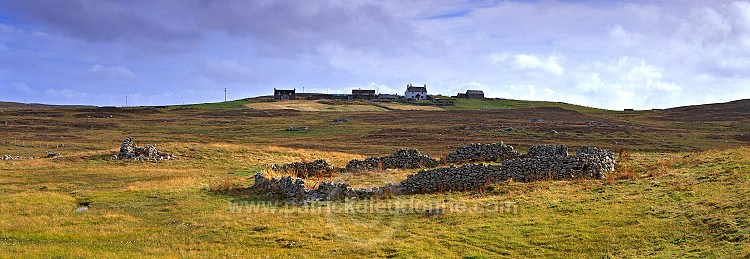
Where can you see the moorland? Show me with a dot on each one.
(680, 187)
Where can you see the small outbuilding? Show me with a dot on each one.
(359, 93)
(280, 94)
(472, 94)
(386, 97)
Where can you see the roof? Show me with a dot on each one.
(474, 92)
(361, 91)
(416, 89)
(283, 91)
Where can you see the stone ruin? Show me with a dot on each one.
(547, 151)
(128, 150)
(295, 189)
(315, 168)
(589, 162)
(541, 162)
(477, 152)
(403, 158)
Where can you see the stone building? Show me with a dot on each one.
(415, 93)
(366, 94)
(472, 94)
(280, 94)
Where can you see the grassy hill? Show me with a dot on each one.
(679, 189)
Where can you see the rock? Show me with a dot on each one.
(340, 120)
(129, 150)
(537, 120)
(52, 154)
(300, 128)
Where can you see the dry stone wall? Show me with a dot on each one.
(547, 151)
(477, 152)
(546, 162)
(317, 168)
(402, 158)
(288, 187)
(541, 162)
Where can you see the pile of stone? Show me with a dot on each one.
(402, 158)
(477, 152)
(128, 150)
(9, 157)
(52, 154)
(315, 168)
(288, 187)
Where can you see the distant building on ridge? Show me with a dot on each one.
(471, 94)
(366, 94)
(280, 94)
(416, 92)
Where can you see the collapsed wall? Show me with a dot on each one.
(546, 162)
(128, 150)
(294, 188)
(477, 152)
(402, 158)
(315, 168)
(541, 162)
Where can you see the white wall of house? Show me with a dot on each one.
(415, 95)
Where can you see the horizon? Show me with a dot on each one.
(610, 55)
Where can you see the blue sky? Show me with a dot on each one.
(608, 54)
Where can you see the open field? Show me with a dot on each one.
(680, 188)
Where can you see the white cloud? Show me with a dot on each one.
(532, 62)
(223, 70)
(100, 72)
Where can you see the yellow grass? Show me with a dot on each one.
(314, 106)
(410, 107)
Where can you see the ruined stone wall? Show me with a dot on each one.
(402, 158)
(294, 188)
(128, 150)
(477, 152)
(316, 168)
(542, 162)
(546, 162)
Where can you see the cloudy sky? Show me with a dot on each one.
(608, 54)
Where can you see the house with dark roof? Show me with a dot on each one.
(472, 94)
(415, 92)
(280, 94)
(386, 97)
(366, 94)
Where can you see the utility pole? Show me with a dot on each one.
(225, 94)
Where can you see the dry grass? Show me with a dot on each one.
(410, 107)
(658, 204)
(314, 106)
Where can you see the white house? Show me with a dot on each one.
(415, 92)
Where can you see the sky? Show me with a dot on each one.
(605, 54)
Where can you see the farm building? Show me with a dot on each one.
(415, 92)
(386, 97)
(472, 94)
(367, 94)
(280, 94)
